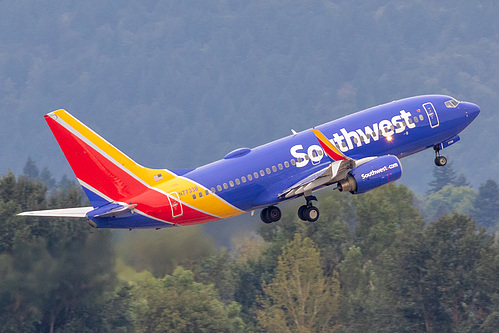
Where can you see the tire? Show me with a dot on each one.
(273, 213)
(264, 216)
(440, 161)
(311, 213)
(301, 214)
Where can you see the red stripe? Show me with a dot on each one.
(102, 174)
(93, 168)
(331, 153)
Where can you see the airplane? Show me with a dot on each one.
(356, 154)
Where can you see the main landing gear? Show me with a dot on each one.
(439, 159)
(306, 212)
(270, 214)
(309, 212)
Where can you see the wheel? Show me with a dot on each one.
(270, 214)
(440, 161)
(273, 213)
(301, 210)
(311, 213)
(264, 216)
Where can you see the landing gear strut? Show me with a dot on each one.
(439, 159)
(309, 212)
(270, 214)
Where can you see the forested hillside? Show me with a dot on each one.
(177, 84)
(370, 264)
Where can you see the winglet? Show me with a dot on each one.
(328, 147)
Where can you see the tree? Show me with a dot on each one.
(53, 273)
(447, 200)
(442, 176)
(176, 303)
(380, 214)
(300, 298)
(486, 205)
(445, 280)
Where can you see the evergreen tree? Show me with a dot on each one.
(486, 205)
(30, 169)
(442, 176)
(53, 273)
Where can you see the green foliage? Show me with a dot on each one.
(299, 298)
(53, 272)
(160, 251)
(442, 280)
(176, 303)
(486, 205)
(381, 214)
(447, 200)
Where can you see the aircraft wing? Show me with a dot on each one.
(327, 176)
(65, 212)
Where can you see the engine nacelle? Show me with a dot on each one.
(368, 176)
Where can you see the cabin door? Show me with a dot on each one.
(432, 114)
(175, 204)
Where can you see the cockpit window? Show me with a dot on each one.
(452, 103)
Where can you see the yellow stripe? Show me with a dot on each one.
(162, 179)
(210, 203)
(145, 174)
(326, 141)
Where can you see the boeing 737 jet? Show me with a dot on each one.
(355, 154)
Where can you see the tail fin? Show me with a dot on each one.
(104, 172)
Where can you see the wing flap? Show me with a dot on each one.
(329, 175)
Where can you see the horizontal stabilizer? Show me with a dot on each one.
(65, 212)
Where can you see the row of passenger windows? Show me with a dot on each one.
(247, 178)
(280, 166)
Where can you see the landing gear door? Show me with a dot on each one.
(175, 204)
(432, 114)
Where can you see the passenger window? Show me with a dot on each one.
(274, 168)
(421, 117)
(416, 119)
(243, 179)
(250, 177)
(320, 152)
(268, 171)
(200, 194)
(194, 196)
(213, 190)
(355, 140)
(231, 183)
(226, 186)
(299, 159)
(293, 161)
(280, 166)
(219, 187)
(286, 164)
(306, 157)
(238, 182)
(262, 173)
(255, 175)
(206, 192)
(409, 121)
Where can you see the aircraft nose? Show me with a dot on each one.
(472, 110)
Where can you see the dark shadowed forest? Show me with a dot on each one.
(371, 263)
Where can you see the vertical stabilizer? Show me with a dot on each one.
(104, 172)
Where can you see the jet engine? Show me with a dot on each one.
(368, 176)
